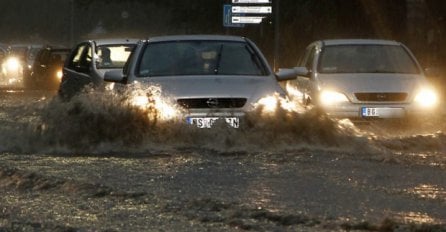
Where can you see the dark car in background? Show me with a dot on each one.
(89, 60)
(46, 71)
(3, 53)
(18, 62)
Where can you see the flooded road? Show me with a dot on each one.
(94, 164)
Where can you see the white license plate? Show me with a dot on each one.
(369, 112)
(207, 122)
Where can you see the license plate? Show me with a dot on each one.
(369, 112)
(207, 122)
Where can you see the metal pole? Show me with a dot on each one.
(71, 22)
(276, 35)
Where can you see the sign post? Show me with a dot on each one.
(252, 12)
(245, 12)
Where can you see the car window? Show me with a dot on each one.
(200, 58)
(75, 59)
(41, 57)
(85, 60)
(32, 53)
(57, 57)
(310, 59)
(113, 56)
(307, 56)
(45, 56)
(366, 59)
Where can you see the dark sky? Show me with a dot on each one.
(421, 26)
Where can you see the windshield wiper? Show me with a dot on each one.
(217, 63)
(255, 59)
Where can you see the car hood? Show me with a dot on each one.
(353, 83)
(250, 87)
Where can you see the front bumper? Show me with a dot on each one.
(379, 111)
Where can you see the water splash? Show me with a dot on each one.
(111, 122)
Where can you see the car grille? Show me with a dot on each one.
(201, 103)
(381, 97)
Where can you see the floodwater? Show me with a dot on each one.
(97, 163)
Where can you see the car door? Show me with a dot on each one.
(41, 63)
(76, 72)
(38, 67)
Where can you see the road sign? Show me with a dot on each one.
(251, 1)
(247, 19)
(227, 17)
(252, 9)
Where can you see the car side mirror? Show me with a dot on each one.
(302, 71)
(114, 76)
(285, 74)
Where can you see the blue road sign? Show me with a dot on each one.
(227, 17)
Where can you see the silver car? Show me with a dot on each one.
(208, 77)
(362, 79)
(89, 60)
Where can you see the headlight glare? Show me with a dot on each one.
(426, 98)
(268, 103)
(59, 74)
(12, 64)
(328, 97)
(155, 106)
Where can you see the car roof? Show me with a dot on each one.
(106, 41)
(197, 37)
(330, 42)
(28, 46)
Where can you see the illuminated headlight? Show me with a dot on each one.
(59, 74)
(426, 98)
(12, 64)
(329, 98)
(164, 110)
(269, 103)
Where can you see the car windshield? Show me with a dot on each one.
(113, 56)
(366, 59)
(200, 58)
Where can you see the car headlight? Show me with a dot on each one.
(12, 64)
(328, 97)
(270, 104)
(162, 109)
(426, 98)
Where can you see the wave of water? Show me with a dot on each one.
(105, 122)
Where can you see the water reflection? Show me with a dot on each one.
(427, 191)
(415, 217)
